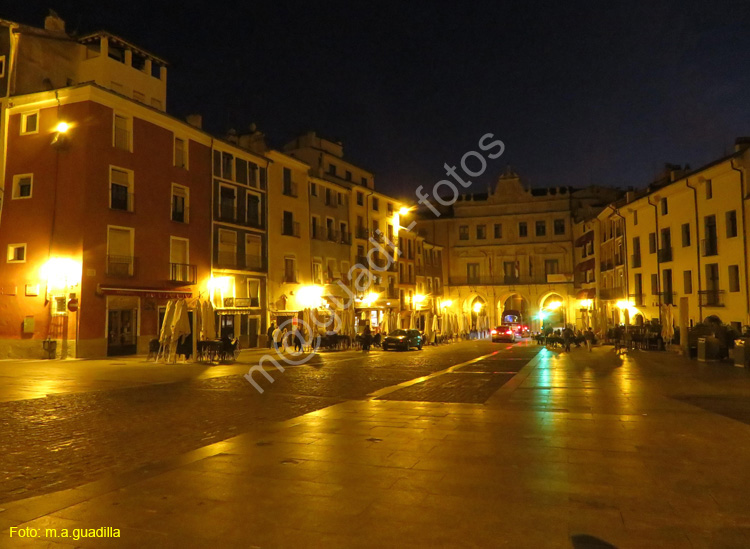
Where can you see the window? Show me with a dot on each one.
(263, 177)
(734, 278)
(252, 174)
(289, 226)
(498, 230)
(317, 273)
(329, 197)
(120, 189)
(559, 226)
(332, 169)
(227, 248)
(654, 284)
(2, 66)
(731, 217)
(227, 163)
(664, 206)
(253, 292)
(180, 153)
(551, 266)
(121, 132)
(635, 217)
(252, 213)
(16, 253)
(180, 203)
(685, 235)
(687, 282)
(30, 123)
(375, 204)
(240, 169)
(253, 252)
(523, 229)
(472, 273)
(22, 185)
(652, 243)
(481, 232)
(314, 226)
(360, 198)
(709, 189)
(389, 207)
(179, 259)
(289, 188)
(348, 175)
(541, 228)
(463, 232)
(364, 181)
(313, 189)
(290, 269)
(227, 203)
(341, 199)
(120, 261)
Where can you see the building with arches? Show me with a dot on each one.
(510, 249)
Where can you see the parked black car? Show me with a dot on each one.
(403, 339)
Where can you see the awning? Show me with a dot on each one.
(589, 293)
(237, 311)
(153, 293)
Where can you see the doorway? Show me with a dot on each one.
(121, 339)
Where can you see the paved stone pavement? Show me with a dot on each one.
(66, 423)
(575, 445)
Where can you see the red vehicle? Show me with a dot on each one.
(503, 333)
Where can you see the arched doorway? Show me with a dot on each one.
(552, 312)
(478, 315)
(514, 310)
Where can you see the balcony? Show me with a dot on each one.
(362, 232)
(378, 237)
(317, 233)
(346, 238)
(635, 261)
(361, 260)
(254, 222)
(391, 293)
(183, 273)
(120, 266)
(241, 302)
(606, 265)
(226, 259)
(709, 247)
(331, 201)
(289, 189)
(290, 278)
(290, 228)
(486, 280)
(612, 294)
(619, 260)
(420, 270)
(255, 263)
(665, 254)
(638, 300)
(667, 298)
(333, 236)
(711, 298)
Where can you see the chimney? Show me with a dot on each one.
(232, 136)
(53, 23)
(741, 144)
(195, 120)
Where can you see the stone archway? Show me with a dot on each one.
(552, 310)
(516, 305)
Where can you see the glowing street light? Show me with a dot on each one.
(447, 303)
(553, 306)
(62, 127)
(478, 307)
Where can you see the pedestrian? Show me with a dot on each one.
(269, 333)
(276, 337)
(567, 334)
(297, 340)
(589, 337)
(366, 338)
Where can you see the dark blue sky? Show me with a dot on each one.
(595, 92)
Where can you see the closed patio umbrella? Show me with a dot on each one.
(667, 329)
(209, 322)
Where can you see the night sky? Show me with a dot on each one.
(580, 93)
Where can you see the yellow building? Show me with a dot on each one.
(687, 237)
(509, 250)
